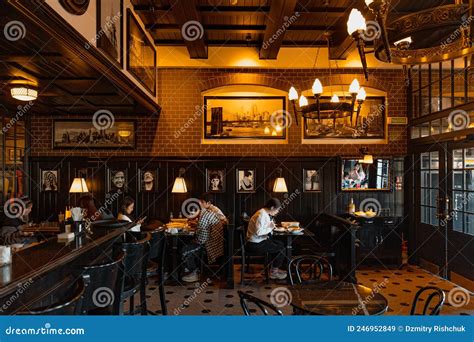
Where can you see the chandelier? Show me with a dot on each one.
(333, 109)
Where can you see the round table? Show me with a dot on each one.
(337, 298)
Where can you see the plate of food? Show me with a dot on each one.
(290, 224)
(280, 229)
(295, 230)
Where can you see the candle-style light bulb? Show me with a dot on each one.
(356, 22)
(335, 99)
(293, 94)
(361, 95)
(354, 87)
(368, 2)
(303, 101)
(266, 130)
(317, 87)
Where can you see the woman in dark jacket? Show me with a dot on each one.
(15, 221)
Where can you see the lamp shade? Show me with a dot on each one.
(179, 186)
(280, 185)
(356, 22)
(78, 186)
(368, 159)
(293, 94)
(24, 93)
(317, 88)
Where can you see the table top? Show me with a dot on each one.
(338, 298)
(305, 232)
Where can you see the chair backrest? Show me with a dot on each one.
(136, 258)
(103, 291)
(433, 302)
(72, 305)
(157, 242)
(110, 224)
(245, 299)
(316, 267)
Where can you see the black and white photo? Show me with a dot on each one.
(215, 180)
(245, 180)
(117, 180)
(148, 180)
(311, 180)
(49, 180)
(110, 28)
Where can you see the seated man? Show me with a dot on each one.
(11, 232)
(209, 236)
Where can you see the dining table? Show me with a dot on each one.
(337, 298)
(290, 237)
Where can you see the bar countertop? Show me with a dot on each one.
(34, 262)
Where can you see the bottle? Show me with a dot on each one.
(351, 206)
(180, 215)
(171, 216)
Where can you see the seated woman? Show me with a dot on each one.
(11, 232)
(258, 241)
(125, 212)
(87, 202)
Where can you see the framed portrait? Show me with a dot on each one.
(110, 29)
(215, 180)
(117, 180)
(311, 180)
(245, 118)
(49, 180)
(148, 180)
(141, 54)
(83, 134)
(245, 180)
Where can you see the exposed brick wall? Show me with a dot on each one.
(180, 93)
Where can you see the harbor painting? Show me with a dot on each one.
(232, 117)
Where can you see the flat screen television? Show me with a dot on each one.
(357, 176)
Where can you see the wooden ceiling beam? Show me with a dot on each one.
(184, 11)
(168, 28)
(242, 43)
(275, 30)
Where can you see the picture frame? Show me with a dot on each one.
(245, 181)
(20, 153)
(141, 54)
(245, 119)
(82, 134)
(311, 180)
(110, 29)
(147, 180)
(117, 180)
(216, 180)
(370, 177)
(49, 180)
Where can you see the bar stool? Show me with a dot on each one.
(103, 293)
(72, 305)
(135, 272)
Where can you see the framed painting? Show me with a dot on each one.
(148, 180)
(245, 118)
(215, 180)
(49, 180)
(83, 134)
(245, 181)
(141, 54)
(110, 29)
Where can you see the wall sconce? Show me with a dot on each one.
(179, 186)
(368, 158)
(24, 93)
(78, 186)
(280, 183)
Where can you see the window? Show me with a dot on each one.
(463, 191)
(429, 184)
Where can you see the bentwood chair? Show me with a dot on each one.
(135, 266)
(245, 299)
(246, 256)
(315, 268)
(433, 303)
(72, 305)
(102, 296)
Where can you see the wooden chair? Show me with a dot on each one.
(435, 293)
(245, 299)
(246, 256)
(316, 268)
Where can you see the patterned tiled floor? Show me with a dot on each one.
(210, 299)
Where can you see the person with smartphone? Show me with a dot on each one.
(125, 213)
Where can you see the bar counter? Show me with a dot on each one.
(42, 273)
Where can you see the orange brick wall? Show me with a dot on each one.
(180, 92)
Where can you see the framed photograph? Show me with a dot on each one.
(20, 153)
(148, 180)
(110, 29)
(245, 180)
(311, 180)
(367, 126)
(83, 134)
(117, 180)
(245, 118)
(49, 180)
(358, 176)
(141, 54)
(215, 180)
